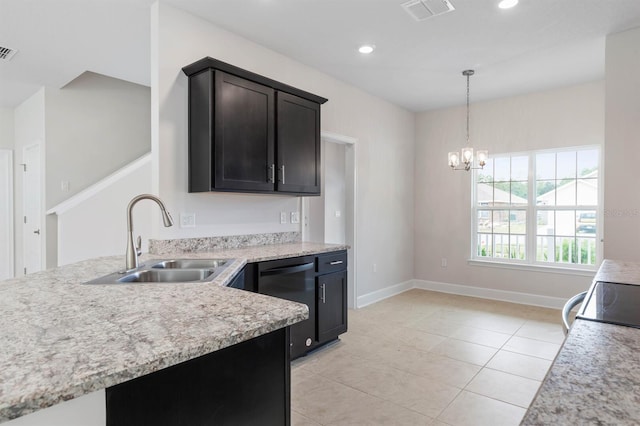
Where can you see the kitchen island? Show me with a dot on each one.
(62, 339)
(595, 377)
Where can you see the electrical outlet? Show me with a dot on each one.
(283, 217)
(375, 268)
(338, 213)
(295, 217)
(187, 220)
(443, 262)
(64, 186)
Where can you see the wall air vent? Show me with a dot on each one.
(7, 53)
(425, 9)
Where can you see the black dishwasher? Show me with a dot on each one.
(292, 279)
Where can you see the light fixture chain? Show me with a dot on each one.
(468, 75)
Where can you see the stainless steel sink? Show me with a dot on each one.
(189, 264)
(167, 276)
(169, 271)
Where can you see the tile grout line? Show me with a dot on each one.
(499, 400)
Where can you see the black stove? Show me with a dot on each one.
(614, 303)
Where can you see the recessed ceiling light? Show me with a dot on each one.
(366, 48)
(507, 4)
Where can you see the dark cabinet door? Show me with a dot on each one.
(331, 292)
(245, 384)
(244, 135)
(298, 144)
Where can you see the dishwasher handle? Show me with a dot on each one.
(288, 269)
(566, 310)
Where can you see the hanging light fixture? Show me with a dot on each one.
(463, 160)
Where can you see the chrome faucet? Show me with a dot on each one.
(135, 250)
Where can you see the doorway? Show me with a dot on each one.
(330, 218)
(6, 214)
(32, 209)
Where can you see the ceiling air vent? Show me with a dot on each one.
(7, 53)
(425, 9)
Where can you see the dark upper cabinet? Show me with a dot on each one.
(298, 144)
(244, 134)
(248, 133)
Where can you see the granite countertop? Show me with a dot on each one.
(595, 377)
(258, 253)
(61, 339)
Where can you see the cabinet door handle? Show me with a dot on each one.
(272, 177)
(323, 297)
(282, 174)
(336, 262)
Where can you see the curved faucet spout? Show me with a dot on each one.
(133, 250)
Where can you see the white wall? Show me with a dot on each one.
(29, 128)
(98, 226)
(384, 131)
(621, 198)
(6, 128)
(564, 117)
(94, 125)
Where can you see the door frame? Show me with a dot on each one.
(6, 163)
(351, 185)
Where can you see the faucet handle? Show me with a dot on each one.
(139, 245)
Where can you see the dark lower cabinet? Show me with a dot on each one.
(331, 292)
(245, 384)
(320, 282)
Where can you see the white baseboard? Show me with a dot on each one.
(385, 293)
(488, 293)
(462, 290)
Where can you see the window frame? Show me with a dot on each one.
(531, 209)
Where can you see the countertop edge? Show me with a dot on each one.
(592, 379)
(45, 397)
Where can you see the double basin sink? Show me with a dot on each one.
(169, 271)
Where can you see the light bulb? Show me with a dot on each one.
(467, 154)
(482, 157)
(454, 159)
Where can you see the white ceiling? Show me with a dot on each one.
(538, 45)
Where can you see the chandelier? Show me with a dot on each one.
(463, 160)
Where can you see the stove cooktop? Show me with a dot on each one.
(614, 303)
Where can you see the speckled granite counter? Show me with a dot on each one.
(61, 339)
(263, 253)
(595, 379)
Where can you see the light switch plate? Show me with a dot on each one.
(295, 217)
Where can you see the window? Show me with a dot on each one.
(538, 208)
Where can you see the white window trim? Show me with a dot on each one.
(584, 271)
(532, 264)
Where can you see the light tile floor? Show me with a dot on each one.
(427, 358)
